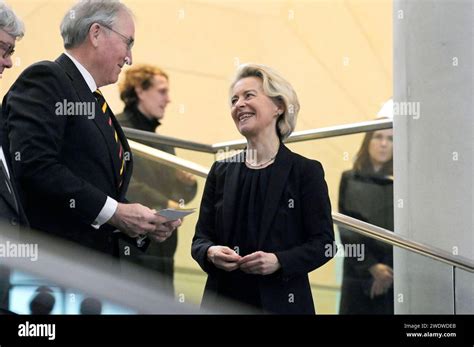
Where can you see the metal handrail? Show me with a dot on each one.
(317, 134)
(393, 239)
(141, 135)
(168, 159)
(347, 222)
(298, 136)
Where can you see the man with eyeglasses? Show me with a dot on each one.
(11, 212)
(75, 162)
(11, 29)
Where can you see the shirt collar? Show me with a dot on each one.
(85, 74)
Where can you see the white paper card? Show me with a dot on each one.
(173, 214)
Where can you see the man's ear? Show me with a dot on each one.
(138, 91)
(94, 33)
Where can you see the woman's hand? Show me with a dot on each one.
(383, 279)
(259, 263)
(223, 257)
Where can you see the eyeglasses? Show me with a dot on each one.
(7, 48)
(128, 40)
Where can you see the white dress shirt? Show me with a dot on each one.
(4, 160)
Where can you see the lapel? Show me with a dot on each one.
(278, 180)
(85, 95)
(6, 189)
(10, 198)
(231, 191)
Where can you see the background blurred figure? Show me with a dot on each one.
(145, 92)
(366, 193)
(11, 211)
(90, 306)
(43, 302)
(265, 217)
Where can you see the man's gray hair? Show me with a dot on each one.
(10, 23)
(78, 20)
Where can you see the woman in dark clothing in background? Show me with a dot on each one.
(366, 193)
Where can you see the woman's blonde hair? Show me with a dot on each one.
(276, 88)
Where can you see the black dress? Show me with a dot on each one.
(237, 285)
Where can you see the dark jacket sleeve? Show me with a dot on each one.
(205, 235)
(351, 238)
(36, 135)
(317, 223)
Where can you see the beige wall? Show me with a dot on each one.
(337, 54)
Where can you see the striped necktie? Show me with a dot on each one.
(106, 112)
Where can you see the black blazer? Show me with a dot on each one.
(296, 225)
(68, 164)
(11, 213)
(11, 210)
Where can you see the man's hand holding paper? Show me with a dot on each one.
(164, 228)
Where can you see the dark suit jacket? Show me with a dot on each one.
(11, 212)
(68, 163)
(296, 225)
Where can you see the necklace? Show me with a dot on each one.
(261, 164)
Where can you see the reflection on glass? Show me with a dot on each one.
(32, 295)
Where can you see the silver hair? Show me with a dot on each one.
(78, 20)
(278, 89)
(10, 23)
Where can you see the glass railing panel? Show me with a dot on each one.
(61, 275)
(159, 186)
(366, 196)
(402, 282)
(189, 279)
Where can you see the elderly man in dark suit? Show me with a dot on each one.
(11, 212)
(74, 164)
